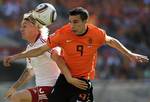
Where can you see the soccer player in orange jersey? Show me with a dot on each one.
(79, 41)
(43, 67)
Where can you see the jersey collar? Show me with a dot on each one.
(84, 32)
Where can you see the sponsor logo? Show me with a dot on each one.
(68, 41)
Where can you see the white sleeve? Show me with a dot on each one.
(28, 60)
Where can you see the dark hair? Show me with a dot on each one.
(79, 11)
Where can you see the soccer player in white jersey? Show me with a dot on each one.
(45, 70)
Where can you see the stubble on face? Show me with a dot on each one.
(78, 26)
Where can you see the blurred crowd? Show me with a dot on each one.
(126, 20)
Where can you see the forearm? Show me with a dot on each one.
(55, 55)
(64, 69)
(25, 77)
(30, 53)
(62, 65)
(120, 47)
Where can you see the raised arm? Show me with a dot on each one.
(25, 77)
(31, 53)
(120, 47)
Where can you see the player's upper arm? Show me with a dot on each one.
(102, 36)
(110, 41)
(55, 39)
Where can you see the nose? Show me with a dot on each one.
(21, 30)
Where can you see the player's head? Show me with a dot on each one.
(78, 18)
(29, 28)
(79, 11)
(35, 22)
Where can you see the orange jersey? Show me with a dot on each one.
(79, 52)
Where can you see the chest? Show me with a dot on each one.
(83, 45)
(39, 59)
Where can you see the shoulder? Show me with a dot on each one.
(97, 33)
(95, 28)
(40, 42)
(62, 32)
(43, 39)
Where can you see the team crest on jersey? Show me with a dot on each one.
(90, 42)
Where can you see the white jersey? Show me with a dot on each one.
(45, 69)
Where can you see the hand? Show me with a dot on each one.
(7, 60)
(78, 83)
(10, 92)
(138, 58)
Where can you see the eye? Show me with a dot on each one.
(75, 21)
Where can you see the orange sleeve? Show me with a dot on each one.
(54, 39)
(102, 36)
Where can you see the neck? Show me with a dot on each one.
(34, 38)
(83, 32)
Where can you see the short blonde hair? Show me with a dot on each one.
(43, 29)
(29, 17)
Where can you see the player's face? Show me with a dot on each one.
(78, 26)
(27, 30)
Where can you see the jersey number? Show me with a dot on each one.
(80, 49)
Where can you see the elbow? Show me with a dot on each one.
(112, 42)
(55, 56)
